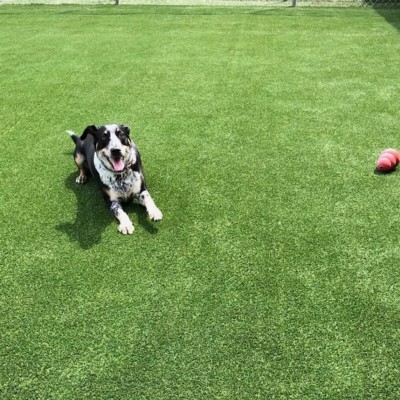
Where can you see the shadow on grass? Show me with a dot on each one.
(91, 214)
(389, 173)
(93, 217)
(391, 15)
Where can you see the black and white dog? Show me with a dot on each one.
(109, 154)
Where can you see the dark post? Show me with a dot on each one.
(117, 2)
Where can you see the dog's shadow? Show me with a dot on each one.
(93, 217)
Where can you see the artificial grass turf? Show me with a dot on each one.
(275, 272)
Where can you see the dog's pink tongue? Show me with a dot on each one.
(118, 165)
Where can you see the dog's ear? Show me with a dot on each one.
(125, 129)
(90, 130)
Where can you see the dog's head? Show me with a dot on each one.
(113, 145)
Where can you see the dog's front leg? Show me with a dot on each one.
(125, 224)
(146, 200)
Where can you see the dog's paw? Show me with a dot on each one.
(81, 179)
(126, 228)
(155, 214)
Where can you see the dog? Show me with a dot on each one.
(112, 158)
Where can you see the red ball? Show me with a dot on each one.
(390, 157)
(394, 153)
(384, 164)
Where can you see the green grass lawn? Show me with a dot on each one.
(275, 273)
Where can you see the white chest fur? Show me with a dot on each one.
(122, 186)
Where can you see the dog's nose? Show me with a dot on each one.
(115, 152)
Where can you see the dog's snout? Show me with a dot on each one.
(115, 152)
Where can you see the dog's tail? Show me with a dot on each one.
(73, 136)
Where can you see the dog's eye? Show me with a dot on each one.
(122, 137)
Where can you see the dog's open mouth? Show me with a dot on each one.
(117, 163)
